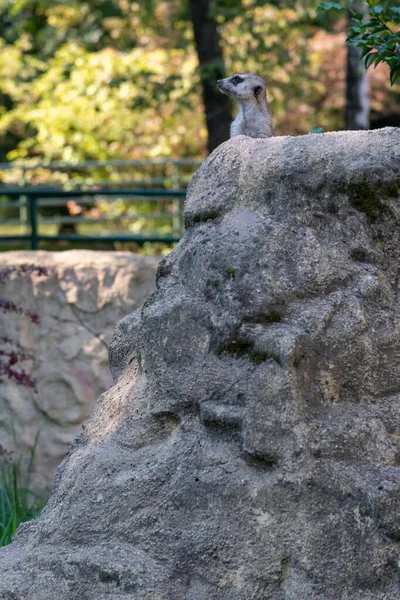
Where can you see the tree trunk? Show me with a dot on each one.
(217, 106)
(357, 88)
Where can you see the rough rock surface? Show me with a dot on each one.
(250, 447)
(78, 304)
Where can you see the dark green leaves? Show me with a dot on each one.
(376, 37)
(394, 74)
(370, 58)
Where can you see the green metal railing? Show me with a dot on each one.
(32, 199)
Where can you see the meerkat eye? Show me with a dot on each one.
(257, 90)
(235, 80)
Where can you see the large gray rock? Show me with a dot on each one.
(78, 303)
(250, 447)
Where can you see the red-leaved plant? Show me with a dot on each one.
(11, 352)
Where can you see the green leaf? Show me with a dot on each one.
(353, 33)
(394, 74)
(379, 28)
(365, 51)
(373, 22)
(329, 5)
(392, 61)
(369, 59)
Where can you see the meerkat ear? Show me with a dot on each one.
(257, 90)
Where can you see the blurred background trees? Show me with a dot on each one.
(111, 79)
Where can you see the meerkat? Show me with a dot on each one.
(254, 118)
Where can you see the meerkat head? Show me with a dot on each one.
(243, 87)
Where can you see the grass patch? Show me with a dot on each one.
(18, 503)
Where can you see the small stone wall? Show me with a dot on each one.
(79, 302)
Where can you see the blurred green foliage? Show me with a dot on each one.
(109, 79)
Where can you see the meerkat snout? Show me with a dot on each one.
(254, 118)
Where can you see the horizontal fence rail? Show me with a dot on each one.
(166, 207)
(90, 164)
(93, 201)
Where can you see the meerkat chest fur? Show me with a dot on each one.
(252, 121)
(254, 118)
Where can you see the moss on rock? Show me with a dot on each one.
(368, 196)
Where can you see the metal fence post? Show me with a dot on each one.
(177, 205)
(23, 208)
(33, 222)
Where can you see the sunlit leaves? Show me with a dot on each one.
(50, 24)
(106, 104)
